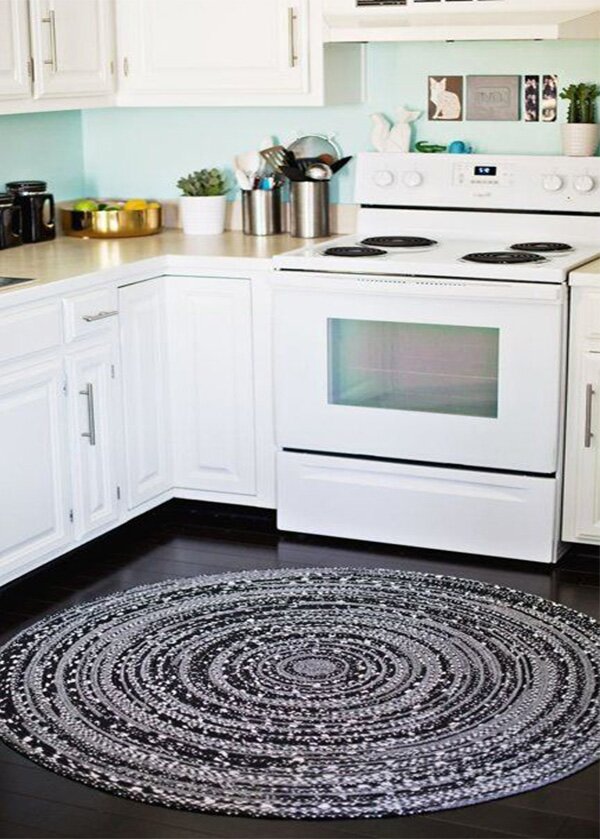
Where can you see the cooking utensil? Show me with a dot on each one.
(303, 163)
(293, 173)
(251, 165)
(249, 161)
(243, 180)
(319, 172)
(316, 145)
(339, 164)
(277, 157)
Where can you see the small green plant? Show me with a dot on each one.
(202, 183)
(582, 102)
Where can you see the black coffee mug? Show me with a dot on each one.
(10, 223)
(37, 207)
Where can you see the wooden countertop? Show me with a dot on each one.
(587, 275)
(67, 257)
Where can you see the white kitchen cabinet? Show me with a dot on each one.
(73, 48)
(15, 82)
(582, 470)
(211, 376)
(94, 433)
(35, 513)
(144, 390)
(198, 52)
(583, 474)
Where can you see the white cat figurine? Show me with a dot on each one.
(400, 136)
(447, 104)
(396, 138)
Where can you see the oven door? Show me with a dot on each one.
(440, 371)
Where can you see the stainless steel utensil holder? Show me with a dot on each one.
(309, 209)
(262, 211)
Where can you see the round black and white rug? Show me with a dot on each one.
(314, 693)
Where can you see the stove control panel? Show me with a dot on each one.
(515, 182)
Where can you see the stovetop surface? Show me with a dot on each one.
(447, 257)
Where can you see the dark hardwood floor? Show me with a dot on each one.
(182, 539)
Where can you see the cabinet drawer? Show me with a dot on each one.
(429, 507)
(29, 330)
(90, 312)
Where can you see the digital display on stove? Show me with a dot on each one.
(486, 171)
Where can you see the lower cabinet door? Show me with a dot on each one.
(94, 436)
(34, 474)
(210, 324)
(144, 387)
(582, 474)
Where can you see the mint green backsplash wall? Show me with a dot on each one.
(46, 147)
(142, 151)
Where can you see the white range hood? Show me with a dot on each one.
(460, 20)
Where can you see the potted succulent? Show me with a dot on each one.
(581, 133)
(203, 202)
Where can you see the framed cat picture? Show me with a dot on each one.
(445, 96)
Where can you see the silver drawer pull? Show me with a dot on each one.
(588, 433)
(99, 316)
(89, 394)
(292, 17)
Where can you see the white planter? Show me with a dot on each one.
(203, 215)
(580, 139)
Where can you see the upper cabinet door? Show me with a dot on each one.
(72, 47)
(14, 50)
(209, 48)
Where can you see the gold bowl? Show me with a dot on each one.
(110, 224)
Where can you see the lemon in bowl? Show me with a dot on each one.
(135, 204)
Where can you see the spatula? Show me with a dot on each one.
(277, 157)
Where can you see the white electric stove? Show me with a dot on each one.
(420, 364)
(451, 254)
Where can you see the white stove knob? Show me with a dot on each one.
(584, 183)
(553, 183)
(383, 178)
(412, 179)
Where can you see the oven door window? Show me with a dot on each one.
(433, 368)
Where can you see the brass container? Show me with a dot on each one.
(110, 224)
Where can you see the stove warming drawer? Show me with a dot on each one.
(461, 510)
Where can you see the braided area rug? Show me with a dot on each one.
(313, 693)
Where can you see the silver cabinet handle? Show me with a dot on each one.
(88, 392)
(588, 433)
(125, 66)
(292, 17)
(99, 316)
(53, 60)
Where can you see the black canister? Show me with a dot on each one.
(10, 222)
(37, 208)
